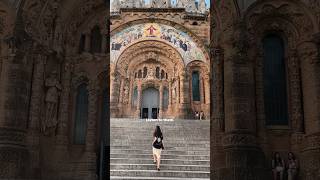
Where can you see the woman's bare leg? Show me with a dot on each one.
(154, 158)
(158, 162)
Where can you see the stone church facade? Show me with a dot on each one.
(54, 80)
(163, 48)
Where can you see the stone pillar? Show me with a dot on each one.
(160, 101)
(261, 121)
(91, 131)
(217, 155)
(121, 93)
(87, 42)
(202, 94)
(310, 72)
(178, 91)
(131, 87)
(184, 96)
(296, 108)
(64, 112)
(61, 138)
(170, 97)
(33, 136)
(139, 99)
(14, 99)
(114, 96)
(244, 159)
(104, 45)
(207, 96)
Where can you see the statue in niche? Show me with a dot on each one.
(151, 73)
(125, 93)
(51, 103)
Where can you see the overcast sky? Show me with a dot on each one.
(173, 1)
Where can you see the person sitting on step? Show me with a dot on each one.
(278, 166)
(157, 146)
(292, 166)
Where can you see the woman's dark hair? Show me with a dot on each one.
(293, 156)
(157, 132)
(277, 159)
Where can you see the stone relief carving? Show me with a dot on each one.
(51, 103)
(151, 73)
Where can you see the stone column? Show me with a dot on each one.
(261, 121)
(184, 96)
(104, 45)
(207, 96)
(217, 155)
(139, 99)
(170, 98)
(61, 138)
(310, 72)
(64, 112)
(161, 101)
(87, 42)
(14, 99)
(121, 93)
(244, 159)
(202, 96)
(131, 87)
(33, 136)
(91, 130)
(114, 96)
(296, 111)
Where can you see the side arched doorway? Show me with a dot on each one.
(150, 103)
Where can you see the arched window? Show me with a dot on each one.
(162, 74)
(134, 96)
(96, 40)
(195, 86)
(139, 74)
(145, 72)
(81, 115)
(165, 97)
(158, 72)
(274, 81)
(82, 43)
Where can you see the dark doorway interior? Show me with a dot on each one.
(154, 113)
(145, 113)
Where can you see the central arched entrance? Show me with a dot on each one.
(150, 103)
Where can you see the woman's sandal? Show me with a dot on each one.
(158, 169)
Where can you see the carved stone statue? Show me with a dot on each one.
(202, 6)
(52, 97)
(160, 3)
(151, 73)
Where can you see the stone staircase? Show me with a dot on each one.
(186, 154)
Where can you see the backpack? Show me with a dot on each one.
(158, 143)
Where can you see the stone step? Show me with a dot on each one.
(169, 152)
(164, 156)
(163, 173)
(187, 148)
(186, 155)
(156, 178)
(167, 144)
(164, 161)
(163, 167)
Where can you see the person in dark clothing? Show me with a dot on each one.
(157, 146)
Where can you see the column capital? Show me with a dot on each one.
(309, 51)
